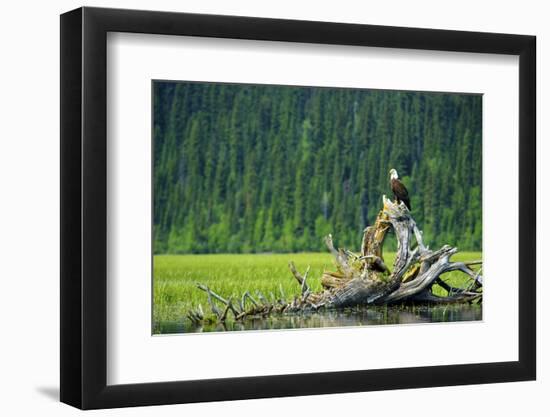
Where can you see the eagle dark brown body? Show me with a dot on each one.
(399, 190)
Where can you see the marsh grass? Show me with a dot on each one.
(175, 278)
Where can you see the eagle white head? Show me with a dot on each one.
(393, 174)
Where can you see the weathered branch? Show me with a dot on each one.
(365, 279)
(339, 257)
(302, 280)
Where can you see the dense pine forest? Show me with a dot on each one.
(252, 168)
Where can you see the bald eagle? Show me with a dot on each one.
(400, 192)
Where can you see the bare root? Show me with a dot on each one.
(364, 278)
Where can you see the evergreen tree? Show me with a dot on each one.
(252, 168)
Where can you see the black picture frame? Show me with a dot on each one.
(84, 207)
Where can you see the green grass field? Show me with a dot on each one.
(175, 277)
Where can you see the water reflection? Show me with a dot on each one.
(358, 317)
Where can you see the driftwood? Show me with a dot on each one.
(363, 279)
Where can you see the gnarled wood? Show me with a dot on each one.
(364, 278)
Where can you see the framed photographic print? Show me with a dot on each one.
(256, 207)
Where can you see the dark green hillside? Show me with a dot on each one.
(242, 168)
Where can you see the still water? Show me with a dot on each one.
(362, 317)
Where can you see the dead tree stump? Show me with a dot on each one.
(363, 279)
